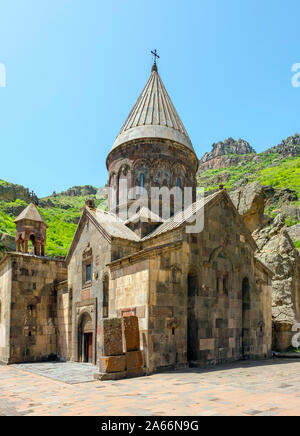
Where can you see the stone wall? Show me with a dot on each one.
(198, 287)
(64, 321)
(33, 317)
(129, 289)
(200, 298)
(5, 302)
(162, 163)
(94, 248)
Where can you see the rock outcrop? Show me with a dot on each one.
(249, 201)
(289, 147)
(277, 251)
(7, 242)
(291, 212)
(226, 154)
(279, 197)
(294, 232)
(11, 192)
(80, 191)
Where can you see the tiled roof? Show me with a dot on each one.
(145, 214)
(113, 225)
(30, 213)
(153, 116)
(117, 228)
(182, 217)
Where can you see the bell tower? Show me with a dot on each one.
(31, 228)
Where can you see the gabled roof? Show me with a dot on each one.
(111, 224)
(182, 217)
(153, 116)
(106, 223)
(145, 214)
(30, 213)
(201, 205)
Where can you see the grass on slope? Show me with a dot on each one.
(61, 229)
(73, 201)
(271, 170)
(59, 234)
(7, 224)
(285, 175)
(62, 219)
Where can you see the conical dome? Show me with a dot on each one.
(153, 116)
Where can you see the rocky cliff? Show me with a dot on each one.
(289, 147)
(12, 192)
(276, 249)
(226, 154)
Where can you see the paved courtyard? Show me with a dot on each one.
(244, 388)
(68, 372)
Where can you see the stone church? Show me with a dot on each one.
(199, 298)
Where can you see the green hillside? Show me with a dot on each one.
(278, 167)
(269, 170)
(60, 211)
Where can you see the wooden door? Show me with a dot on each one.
(88, 340)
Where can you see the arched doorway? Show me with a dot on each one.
(85, 339)
(192, 326)
(32, 244)
(245, 318)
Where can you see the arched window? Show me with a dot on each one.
(141, 178)
(124, 184)
(32, 248)
(87, 266)
(112, 192)
(105, 303)
(246, 307)
(225, 284)
(178, 188)
(192, 326)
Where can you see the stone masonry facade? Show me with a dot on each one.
(141, 295)
(29, 321)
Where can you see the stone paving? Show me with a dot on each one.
(68, 372)
(244, 388)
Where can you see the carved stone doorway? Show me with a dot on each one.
(88, 347)
(85, 339)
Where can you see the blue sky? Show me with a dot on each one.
(74, 68)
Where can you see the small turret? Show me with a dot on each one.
(31, 227)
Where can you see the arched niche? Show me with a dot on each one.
(113, 189)
(178, 174)
(192, 324)
(246, 316)
(162, 174)
(124, 183)
(141, 176)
